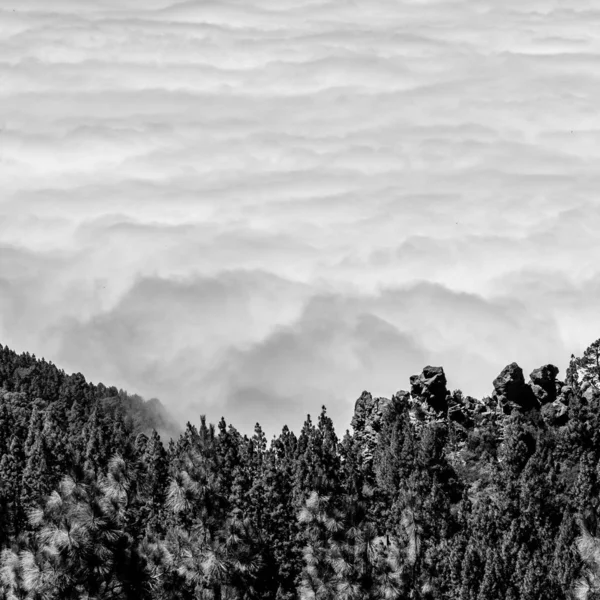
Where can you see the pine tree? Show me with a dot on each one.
(12, 516)
(317, 461)
(35, 483)
(587, 586)
(493, 583)
(157, 472)
(589, 365)
(564, 564)
(93, 442)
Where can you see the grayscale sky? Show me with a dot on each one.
(251, 208)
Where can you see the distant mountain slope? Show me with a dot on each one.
(40, 380)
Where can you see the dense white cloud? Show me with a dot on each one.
(253, 208)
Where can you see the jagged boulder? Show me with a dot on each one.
(430, 388)
(490, 404)
(461, 409)
(543, 383)
(476, 407)
(565, 394)
(556, 413)
(541, 394)
(589, 391)
(512, 393)
(459, 414)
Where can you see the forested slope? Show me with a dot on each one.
(430, 495)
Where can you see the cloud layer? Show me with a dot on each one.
(256, 207)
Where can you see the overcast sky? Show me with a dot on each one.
(251, 208)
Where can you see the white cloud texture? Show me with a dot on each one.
(256, 207)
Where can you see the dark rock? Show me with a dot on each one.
(430, 387)
(512, 393)
(510, 381)
(479, 408)
(489, 403)
(540, 393)
(368, 411)
(460, 414)
(556, 413)
(544, 379)
(566, 394)
(462, 409)
(401, 397)
(589, 392)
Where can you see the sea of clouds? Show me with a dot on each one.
(252, 208)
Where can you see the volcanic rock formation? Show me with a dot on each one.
(512, 393)
(430, 388)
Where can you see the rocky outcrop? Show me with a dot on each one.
(368, 412)
(553, 395)
(429, 394)
(543, 391)
(555, 413)
(589, 391)
(430, 388)
(463, 409)
(512, 393)
(543, 383)
(366, 422)
(565, 394)
(460, 414)
(401, 399)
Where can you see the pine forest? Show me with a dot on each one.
(431, 494)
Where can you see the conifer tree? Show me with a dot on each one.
(587, 586)
(589, 365)
(157, 472)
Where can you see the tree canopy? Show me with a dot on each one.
(429, 495)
